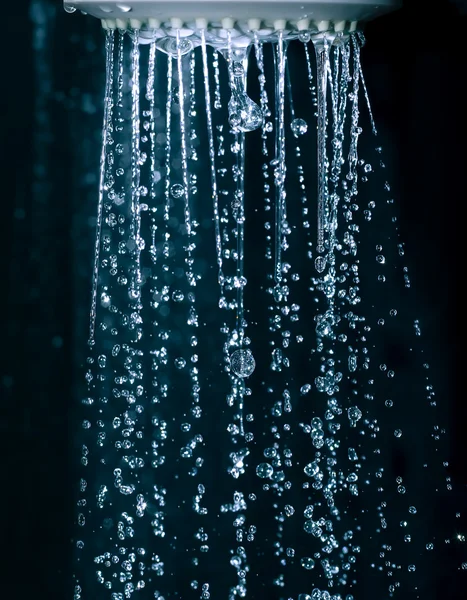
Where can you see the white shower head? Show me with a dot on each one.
(163, 17)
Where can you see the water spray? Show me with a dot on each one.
(229, 447)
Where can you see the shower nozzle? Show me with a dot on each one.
(241, 16)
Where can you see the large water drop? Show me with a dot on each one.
(242, 362)
(299, 127)
(244, 114)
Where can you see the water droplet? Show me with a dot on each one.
(105, 300)
(169, 45)
(244, 114)
(320, 263)
(69, 8)
(177, 190)
(242, 363)
(354, 414)
(180, 363)
(177, 296)
(299, 127)
(311, 469)
(264, 470)
(307, 563)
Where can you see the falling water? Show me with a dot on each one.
(227, 428)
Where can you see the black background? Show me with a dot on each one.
(414, 64)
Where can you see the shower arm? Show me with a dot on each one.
(155, 19)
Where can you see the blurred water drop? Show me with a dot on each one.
(177, 190)
(307, 563)
(264, 471)
(299, 127)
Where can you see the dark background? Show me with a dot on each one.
(50, 119)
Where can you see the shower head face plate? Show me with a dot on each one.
(215, 11)
(234, 22)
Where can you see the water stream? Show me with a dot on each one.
(232, 443)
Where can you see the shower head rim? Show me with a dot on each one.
(266, 11)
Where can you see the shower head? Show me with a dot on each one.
(159, 18)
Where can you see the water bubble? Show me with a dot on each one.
(307, 563)
(354, 414)
(398, 433)
(264, 470)
(177, 296)
(299, 127)
(311, 469)
(242, 362)
(69, 8)
(126, 490)
(305, 388)
(169, 46)
(180, 363)
(412, 568)
(177, 190)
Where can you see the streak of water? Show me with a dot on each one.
(106, 134)
(135, 242)
(279, 160)
(266, 129)
(168, 147)
(311, 86)
(322, 60)
(356, 41)
(212, 163)
(183, 143)
(150, 97)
